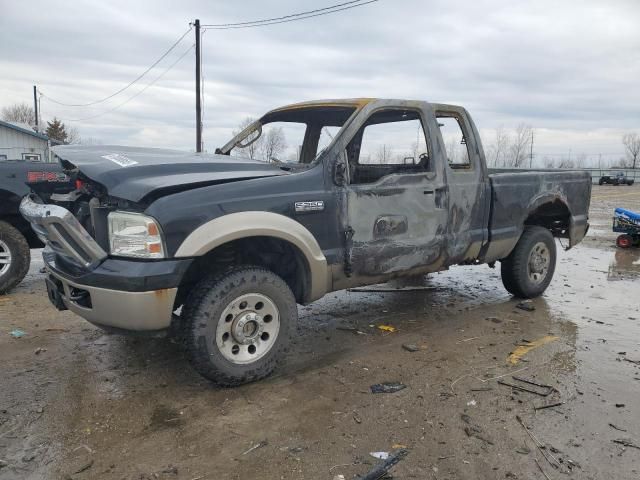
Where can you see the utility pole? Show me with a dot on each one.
(198, 90)
(531, 154)
(35, 104)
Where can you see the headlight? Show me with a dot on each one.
(135, 235)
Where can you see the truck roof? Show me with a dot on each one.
(350, 102)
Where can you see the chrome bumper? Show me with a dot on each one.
(138, 311)
(57, 227)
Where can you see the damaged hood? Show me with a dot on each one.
(133, 173)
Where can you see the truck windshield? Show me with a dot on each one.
(290, 136)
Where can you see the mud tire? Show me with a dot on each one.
(20, 257)
(203, 310)
(515, 268)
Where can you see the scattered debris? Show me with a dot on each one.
(356, 417)
(40, 350)
(635, 362)
(626, 442)
(523, 450)
(617, 428)
(620, 405)
(494, 319)
(387, 328)
(387, 387)
(553, 461)
(17, 333)
(338, 477)
(549, 405)
(352, 330)
(84, 467)
(380, 455)
(522, 350)
(380, 470)
(261, 444)
(472, 403)
(541, 470)
(473, 430)
(170, 470)
(527, 306)
(546, 389)
(410, 347)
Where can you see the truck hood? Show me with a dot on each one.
(133, 173)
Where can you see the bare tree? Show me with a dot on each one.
(631, 143)
(253, 150)
(549, 162)
(273, 144)
(73, 136)
(20, 113)
(382, 155)
(498, 150)
(518, 151)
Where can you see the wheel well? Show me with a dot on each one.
(280, 256)
(554, 216)
(24, 228)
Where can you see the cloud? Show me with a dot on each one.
(569, 68)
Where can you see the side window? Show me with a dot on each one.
(455, 142)
(391, 142)
(327, 134)
(33, 157)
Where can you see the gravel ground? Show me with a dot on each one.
(78, 403)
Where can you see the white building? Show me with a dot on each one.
(19, 142)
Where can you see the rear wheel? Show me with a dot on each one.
(15, 257)
(237, 325)
(624, 241)
(528, 270)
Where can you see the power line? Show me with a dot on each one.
(125, 87)
(138, 93)
(289, 18)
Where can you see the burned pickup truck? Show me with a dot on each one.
(311, 198)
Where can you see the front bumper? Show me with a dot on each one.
(115, 293)
(120, 294)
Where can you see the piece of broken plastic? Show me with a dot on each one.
(17, 333)
(380, 455)
(387, 328)
(387, 387)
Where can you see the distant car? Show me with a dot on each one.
(618, 178)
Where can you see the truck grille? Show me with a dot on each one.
(60, 230)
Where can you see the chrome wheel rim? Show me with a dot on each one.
(538, 265)
(248, 328)
(5, 258)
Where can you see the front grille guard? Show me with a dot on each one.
(57, 227)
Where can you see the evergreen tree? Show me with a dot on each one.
(57, 131)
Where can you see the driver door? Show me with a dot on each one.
(396, 200)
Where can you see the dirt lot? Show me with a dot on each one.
(78, 403)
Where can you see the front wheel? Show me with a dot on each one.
(528, 270)
(237, 325)
(15, 257)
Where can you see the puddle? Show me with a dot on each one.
(625, 264)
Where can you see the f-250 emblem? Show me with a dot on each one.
(313, 206)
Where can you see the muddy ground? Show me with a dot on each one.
(78, 403)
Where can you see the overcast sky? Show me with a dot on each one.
(571, 69)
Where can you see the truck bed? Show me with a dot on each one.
(514, 195)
